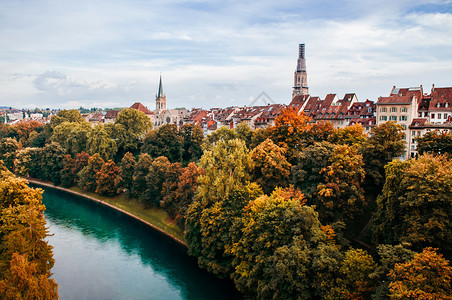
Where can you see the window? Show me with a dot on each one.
(433, 116)
(383, 118)
(392, 118)
(439, 116)
(403, 118)
(393, 109)
(419, 133)
(403, 109)
(425, 114)
(383, 109)
(412, 141)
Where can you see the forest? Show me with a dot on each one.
(299, 210)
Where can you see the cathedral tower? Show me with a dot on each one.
(300, 85)
(160, 99)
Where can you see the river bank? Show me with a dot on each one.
(109, 202)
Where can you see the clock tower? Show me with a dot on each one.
(300, 85)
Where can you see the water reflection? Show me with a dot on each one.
(103, 254)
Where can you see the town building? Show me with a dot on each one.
(300, 84)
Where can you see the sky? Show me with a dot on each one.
(110, 53)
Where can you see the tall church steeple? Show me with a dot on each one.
(300, 85)
(160, 98)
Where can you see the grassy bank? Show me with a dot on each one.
(156, 216)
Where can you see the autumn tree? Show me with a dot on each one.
(427, 276)
(192, 137)
(88, 175)
(25, 256)
(68, 174)
(221, 134)
(245, 133)
(435, 142)
(270, 168)
(100, 142)
(290, 132)
(21, 131)
(416, 203)
(126, 169)
(106, 179)
(349, 135)
(8, 151)
(164, 141)
(72, 136)
(28, 162)
(177, 199)
(66, 115)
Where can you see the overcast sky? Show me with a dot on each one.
(107, 53)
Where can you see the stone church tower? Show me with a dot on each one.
(300, 85)
(160, 99)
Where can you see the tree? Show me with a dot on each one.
(8, 151)
(68, 174)
(221, 134)
(427, 276)
(51, 162)
(290, 132)
(270, 168)
(223, 190)
(177, 200)
(25, 256)
(126, 169)
(70, 115)
(349, 135)
(139, 175)
(106, 178)
(164, 141)
(435, 142)
(28, 162)
(88, 175)
(21, 131)
(159, 172)
(72, 136)
(387, 141)
(278, 254)
(100, 142)
(130, 129)
(331, 178)
(416, 203)
(192, 137)
(245, 133)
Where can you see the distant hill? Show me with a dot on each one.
(5, 107)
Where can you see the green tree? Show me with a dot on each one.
(88, 175)
(435, 142)
(72, 136)
(164, 141)
(331, 177)
(160, 171)
(51, 162)
(221, 134)
(427, 276)
(387, 141)
(139, 175)
(69, 115)
(192, 137)
(106, 178)
(8, 150)
(28, 162)
(416, 203)
(270, 168)
(130, 129)
(100, 142)
(223, 190)
(278, 254)
(126, 169)
(245, 133)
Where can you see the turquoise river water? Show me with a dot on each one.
(103, 254)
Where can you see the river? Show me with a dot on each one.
(103, 254)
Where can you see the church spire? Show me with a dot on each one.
(160, 93)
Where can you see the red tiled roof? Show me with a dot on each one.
(140, 107)
(395, 99)
(441, 99)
